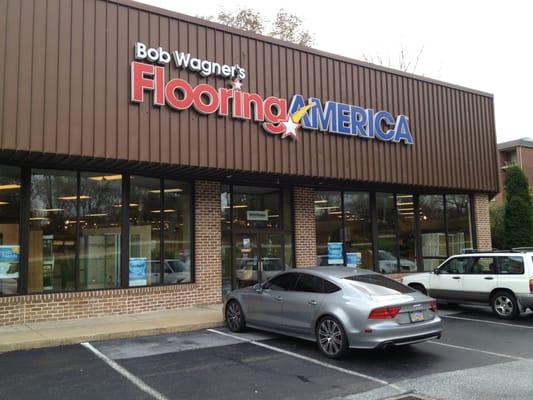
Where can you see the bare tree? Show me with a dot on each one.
(285, 26)
(403, 61)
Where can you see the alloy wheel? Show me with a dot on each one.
(503, 305)
(234, 316)
(330, 337)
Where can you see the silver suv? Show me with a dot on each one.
(503, 280)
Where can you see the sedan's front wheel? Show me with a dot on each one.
(235, 317)
(331, 338)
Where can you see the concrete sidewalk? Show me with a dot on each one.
(57, 333)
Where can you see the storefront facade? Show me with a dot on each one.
(150, 160)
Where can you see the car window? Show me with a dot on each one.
(309, 283)
(380, 285)
(280, 282)
(481, 265)
(455, 266)
(168, 269)
(511, 265)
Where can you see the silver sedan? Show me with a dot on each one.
(337, 307)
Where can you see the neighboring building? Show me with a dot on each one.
(151, 160)
(514, 152)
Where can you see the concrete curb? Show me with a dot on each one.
(126, 334)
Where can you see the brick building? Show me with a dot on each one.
(151, 160)
(515, 152)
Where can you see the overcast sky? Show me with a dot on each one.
(484, 45)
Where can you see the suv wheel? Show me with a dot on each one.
(504, 305)
(235, 317)
(331, 338)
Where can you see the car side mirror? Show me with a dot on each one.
(258, 288)
(436, 271)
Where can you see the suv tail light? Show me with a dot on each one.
(531, 285)
(384, 313)
(433, 307)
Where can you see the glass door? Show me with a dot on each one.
(257, 257)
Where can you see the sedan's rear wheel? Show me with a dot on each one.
(504, 305)
(331, 338)
(235, 317)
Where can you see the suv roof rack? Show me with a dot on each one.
(515, 250)
(522, 249)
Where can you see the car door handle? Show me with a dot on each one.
(489, 277)
(313, 302)
(456, 277)
(279, 298)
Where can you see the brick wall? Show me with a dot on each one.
(482, 221)
(205, 290)
(304, 227)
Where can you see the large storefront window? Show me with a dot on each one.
(328, 214)
(53, 228)
(177, 232)
(433, 230)
(145, 231)
(9, 230)
(459, 226)
(405, 204)
(386, 224)
(100, 229)
(357, 230)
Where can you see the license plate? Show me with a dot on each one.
(417, 316)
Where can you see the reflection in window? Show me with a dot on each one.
(9, 229)
(328, 215)
(177, 232)
(386, 222)
(357, 230)
(145, 229)
(52, 238)
(405, 205)
(100, 227)
(256, 207)
(432, 228)
(459, 228)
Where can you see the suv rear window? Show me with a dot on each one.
(511, 265)
(380, 280)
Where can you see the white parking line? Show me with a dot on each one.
(488, 322)
(478, 350)
(125, 373)
(311, 360)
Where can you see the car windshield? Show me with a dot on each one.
(378, 285)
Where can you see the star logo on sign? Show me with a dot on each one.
(290, 129)
(236, 84)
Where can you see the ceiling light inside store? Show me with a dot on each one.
(320, 201)
(9, 186)
(106, 178)
(169, 190)
(165, 211)
(238, 206)
(74, 197)
(51, 209)
(4, 203)
(38, 219)
(96, 215)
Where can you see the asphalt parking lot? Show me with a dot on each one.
(479, 357)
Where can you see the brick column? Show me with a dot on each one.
(207, 239)
(482, 221)
(304, 227)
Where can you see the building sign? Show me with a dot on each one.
(335, 253)
(276, 115)
(257, 215)
(9, 262)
